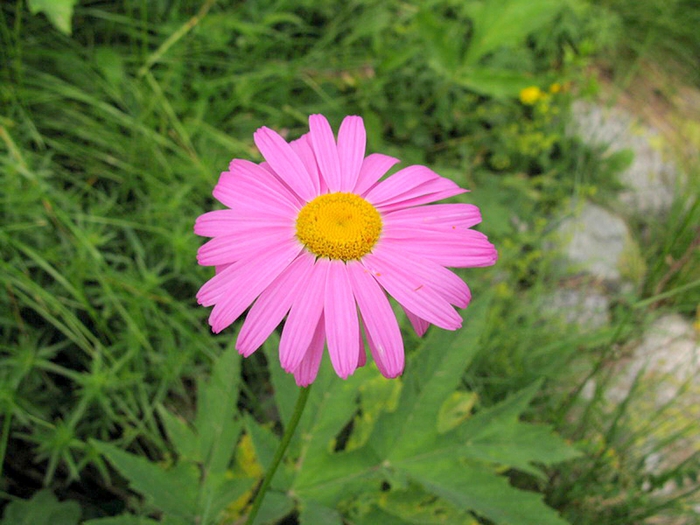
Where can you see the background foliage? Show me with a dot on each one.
(116, 118)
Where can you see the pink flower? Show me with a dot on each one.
(314, 235)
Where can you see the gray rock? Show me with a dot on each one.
(668, 359)
(587, 308)
(651, 179)
(594, 241)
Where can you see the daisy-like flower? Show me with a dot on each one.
(313, 234)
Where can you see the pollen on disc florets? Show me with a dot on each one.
(339, 226)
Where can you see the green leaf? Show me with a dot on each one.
(506, 23)
(455, 410)
(216, 408)
(331, 406)
(286, 390)
(124, 519)
(275, 507)
(431, 377)
(312, 514)
(497, 83)
(59, 12)
(173, 491)
(473, 486)
(218, 492)
(417, 507)
(181, 435)
(42, 509)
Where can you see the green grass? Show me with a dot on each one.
(112, 138)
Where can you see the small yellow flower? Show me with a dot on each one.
(530, 95)
(555, 88)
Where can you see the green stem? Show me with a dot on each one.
(279, 453)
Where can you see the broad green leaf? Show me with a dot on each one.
(275, 507)
(173, 491)
(505, 23)
(331, 406)
(265, 443)
(455, 410)
(473, 486)
(181, 435)
(124, 519)
(312, 513)
(285, 389)
(377, 395)
(497, 83)
(218, 492)
(417, 507)
(442, 39)
(59, 12)
(216, 407)
(431, 376)
(42, 509)
(497, 436)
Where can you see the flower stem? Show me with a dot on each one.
(279, 453)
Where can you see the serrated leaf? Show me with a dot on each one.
(416, 507)
(455, 410)
(173, 491)
(275, 507)
(216, 407)
(497, 83)
(496, 435)
(59, 12)
(181, 435)
(473, 486)
(124, 519)
(431, 376)
(332, 404)
(505, 23)
(377, 395)
(312, 513)
(285, 389)
(219, 492)
(42, 509)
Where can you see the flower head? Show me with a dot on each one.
(530, 95)
(312, 234)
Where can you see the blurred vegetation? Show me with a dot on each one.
(116, 119)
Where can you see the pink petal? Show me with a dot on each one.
(435, 215)
(398, 275)
(352, 140)
(342, 324)
(306, 372)
(228, 222)
(362, 357)
(326, 151)
(273, 304)
(426, 198)
(262, 180)
(402, 181)
(235, 288)
(242, 245)
(419, 325)
(379, 320)
(246, 200)
(446, 283)
(374, 167)
(286, 163)
(457, 248)
(302, 147)
(220, 268)
(301, 322)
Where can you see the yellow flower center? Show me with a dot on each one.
(339, 226)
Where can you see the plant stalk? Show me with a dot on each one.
(279, 453)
